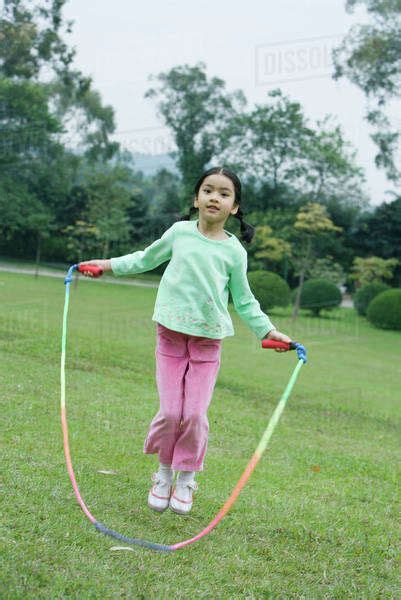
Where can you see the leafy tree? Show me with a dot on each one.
(30, 43)
(166, 205)
(326, 268)
(312, 221)
(331, 171)
(81, 241)
(267, 141)
(371, 269)
(109, 198)
(269, 249)
(286, 158)
(40, 222)
(197, 111)
(378, 231)
(369, 56)
(27, 127)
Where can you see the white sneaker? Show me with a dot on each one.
(159, 494)
(181, 497)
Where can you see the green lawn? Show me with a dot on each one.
(319, 517)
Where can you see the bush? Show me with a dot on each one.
(269, 288)
(318, 294)
(385, 310)
(365, 295)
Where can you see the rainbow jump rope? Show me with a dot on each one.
(301, 353)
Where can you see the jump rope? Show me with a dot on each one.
(268, 344)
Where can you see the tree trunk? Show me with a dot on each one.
(37, 260)
(301, 281)
(298, 295)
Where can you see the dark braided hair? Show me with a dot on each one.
(247, 231)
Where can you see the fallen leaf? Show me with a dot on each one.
(122, 548)
(108, 472)
(315, 468)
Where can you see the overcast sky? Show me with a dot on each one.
(254, 46)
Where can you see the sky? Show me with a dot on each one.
(254, 46)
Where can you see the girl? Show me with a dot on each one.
(191, 316)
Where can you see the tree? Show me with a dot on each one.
(81, 239)
(312, 221)
(379, 233)
(197, 111)
(40, 222)
(372, 269)
(326, 268)
(109, 196)
(287, 157)
(269, 249)
(369, 56)
(331, 170)
(267, 141)
(27, 128)
(30, 42)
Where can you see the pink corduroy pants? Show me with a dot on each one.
(186, 373)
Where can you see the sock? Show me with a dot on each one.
(185, 476)
(166, 472)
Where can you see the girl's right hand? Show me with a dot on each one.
(104, 264)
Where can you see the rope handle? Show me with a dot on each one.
(94, 269)
(272, 344)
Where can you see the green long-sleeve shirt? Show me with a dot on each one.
(192, 296)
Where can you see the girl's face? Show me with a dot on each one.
(217, 191)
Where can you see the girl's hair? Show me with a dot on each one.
(247, 231)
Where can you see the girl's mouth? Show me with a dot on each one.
(213, 209)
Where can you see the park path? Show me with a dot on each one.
(51, 273)
(346, 301)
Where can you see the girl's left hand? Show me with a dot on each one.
(279, 337)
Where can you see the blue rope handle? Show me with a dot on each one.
(68, 279)
(301, 351)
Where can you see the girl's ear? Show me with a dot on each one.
(234, 209)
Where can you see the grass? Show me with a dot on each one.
(319, 517)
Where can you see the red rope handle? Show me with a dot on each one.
(94, 269)
(272, 344)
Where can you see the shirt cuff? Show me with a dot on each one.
(272, 328)
(114, 262)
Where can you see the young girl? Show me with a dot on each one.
(206, 262)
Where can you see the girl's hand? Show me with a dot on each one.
(279, 337)
(104, 264)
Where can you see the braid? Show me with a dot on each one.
(188, 216)
(247, 231)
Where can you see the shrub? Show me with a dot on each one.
(365, 295)
(318, 294)
(269, 288)
(385, 310)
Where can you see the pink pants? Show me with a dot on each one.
(186, 372)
